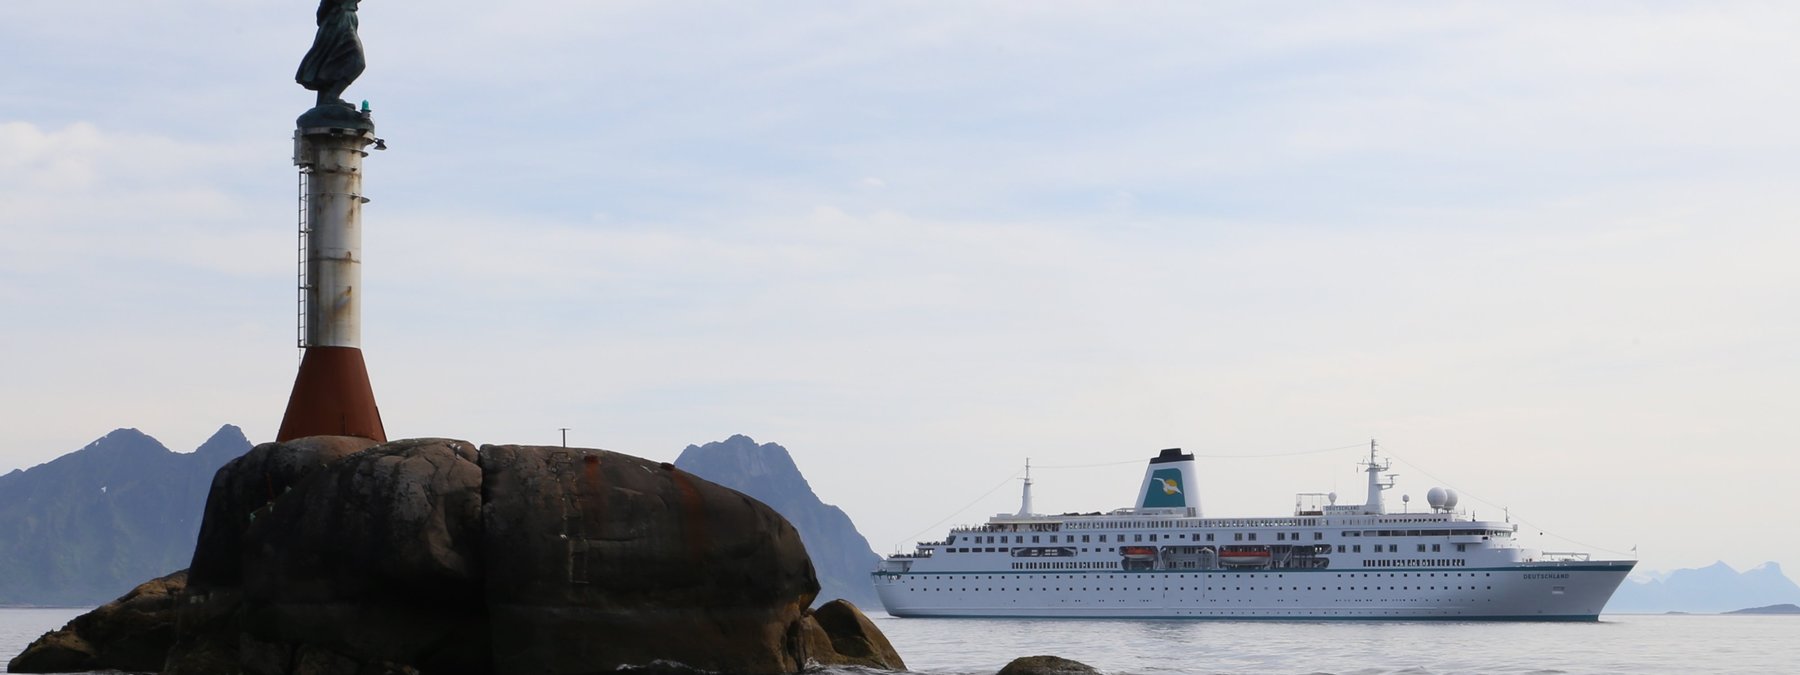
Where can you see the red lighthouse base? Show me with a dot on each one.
(332, 397)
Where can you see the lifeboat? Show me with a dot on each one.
(1138, 552)
(1243, 558)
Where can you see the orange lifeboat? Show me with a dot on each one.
(1244, 558)
(1138, 552)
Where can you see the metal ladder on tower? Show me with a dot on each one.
(305, 229)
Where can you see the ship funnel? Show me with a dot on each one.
(1169, 483)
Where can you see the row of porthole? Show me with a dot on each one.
(979, 577)
(1184, 589)
(1318, 613)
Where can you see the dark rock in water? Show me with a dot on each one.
(1047, 665)
(429, 556)
(132, 633)
(839, 553)
(838, 634)
(86, 527)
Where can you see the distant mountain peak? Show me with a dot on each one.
(228, 439)
(741, 455)
(122, 437)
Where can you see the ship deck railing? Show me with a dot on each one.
(1563, 556)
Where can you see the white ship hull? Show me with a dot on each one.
(1529, 592)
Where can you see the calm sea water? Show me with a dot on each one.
(1617, 644)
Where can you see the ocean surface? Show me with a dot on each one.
(1623, 643)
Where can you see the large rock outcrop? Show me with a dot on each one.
(665, 565)
(375, 559)
(323, 556)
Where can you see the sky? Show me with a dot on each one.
(1542, 252)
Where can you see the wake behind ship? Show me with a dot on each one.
(1162, 559)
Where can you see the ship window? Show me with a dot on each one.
(1152, 537)
(1318, 535)
(1462, 548)
(1340, 548)
(1084, 539)
(1435, 548)
(1237, 536)
(1280, 536)
(1137, 537)
(1356, 549)
(1209, 536)
(1252, 536)
(1421, 548)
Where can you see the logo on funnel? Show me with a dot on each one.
(1164, 490)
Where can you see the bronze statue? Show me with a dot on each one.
(336, 57)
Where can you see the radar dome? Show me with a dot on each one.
(1436, 497)
(1449, 499)
(1332, 497)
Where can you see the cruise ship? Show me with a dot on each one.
(1164, 559)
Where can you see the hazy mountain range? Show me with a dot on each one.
(1714, 588)
(88, 526)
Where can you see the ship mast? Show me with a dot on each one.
(1025, 499)
(1375, 467)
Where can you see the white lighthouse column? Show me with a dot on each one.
(334, 200)
(332, 395)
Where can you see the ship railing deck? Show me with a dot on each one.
(1564, 556)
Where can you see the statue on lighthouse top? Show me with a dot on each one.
(334, 61)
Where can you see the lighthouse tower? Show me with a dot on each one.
(332, 395)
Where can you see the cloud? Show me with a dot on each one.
(80, 196)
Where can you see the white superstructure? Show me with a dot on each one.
(1163, 559)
